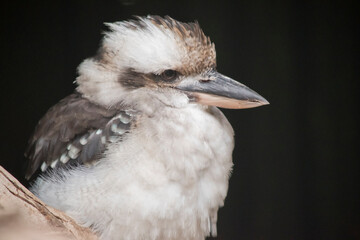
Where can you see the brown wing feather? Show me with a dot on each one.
(69, 124)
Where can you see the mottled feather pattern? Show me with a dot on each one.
(200, 50)
(75, 131)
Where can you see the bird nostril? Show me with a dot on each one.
(204, 80)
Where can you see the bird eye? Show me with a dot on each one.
(169, 75)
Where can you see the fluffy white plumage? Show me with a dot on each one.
(166, 180)
(167, 177)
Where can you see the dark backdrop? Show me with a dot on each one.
(296, 173)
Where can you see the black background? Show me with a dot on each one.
(296, 173)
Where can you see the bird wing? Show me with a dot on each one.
(74, 131)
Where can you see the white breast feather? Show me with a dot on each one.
(166, 180)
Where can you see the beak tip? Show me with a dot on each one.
(265, 102)
(258, 104)
(261, 101)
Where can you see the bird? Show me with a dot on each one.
(140, 149)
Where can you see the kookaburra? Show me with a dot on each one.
(140, 149)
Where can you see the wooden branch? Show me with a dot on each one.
(24, 216)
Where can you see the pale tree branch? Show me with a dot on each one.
(24, 216)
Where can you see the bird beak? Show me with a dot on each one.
(219, 90)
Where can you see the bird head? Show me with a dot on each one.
(160, 59)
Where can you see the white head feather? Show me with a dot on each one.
(147, 45)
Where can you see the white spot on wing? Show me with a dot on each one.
(116, 129)
(83, 141)
(43, 167)
(64, 158)
(54, 163)
(73, 152)
(124, 118)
